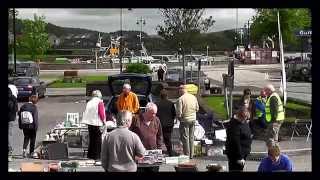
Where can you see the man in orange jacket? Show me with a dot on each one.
(128, 100)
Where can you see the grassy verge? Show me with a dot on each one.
(293, 110)
(85, 79)
(44, 58)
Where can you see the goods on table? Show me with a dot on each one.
(31, 167)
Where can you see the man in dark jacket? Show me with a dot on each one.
(166, 113)
(160, 73)
(28, 122)
(12, 113)
(238, 144)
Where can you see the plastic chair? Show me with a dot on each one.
(298, 125)
(309, 130)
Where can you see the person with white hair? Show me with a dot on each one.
(275, 161)
(187, 107)
(94, 116)
(128, 100)
(274, 113)
(121, 147)
(148, 127)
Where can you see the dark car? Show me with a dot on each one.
(28, 86)
(140, 84)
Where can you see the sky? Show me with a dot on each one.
(108, 20)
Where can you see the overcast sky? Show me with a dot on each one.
(108, 20)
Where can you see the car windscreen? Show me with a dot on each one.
(22, 81)
(137, 86)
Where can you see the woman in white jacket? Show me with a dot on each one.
(94, 116)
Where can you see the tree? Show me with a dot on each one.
(34, 37)
(183, 25)
(265, 24)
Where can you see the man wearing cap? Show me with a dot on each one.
(187, 107)
(128, 100)
(274, 113)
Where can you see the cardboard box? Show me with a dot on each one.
(32, 167)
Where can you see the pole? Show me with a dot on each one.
(284, 81)
(248, 34)
(96, 50)
(14, 41)
(120, 40)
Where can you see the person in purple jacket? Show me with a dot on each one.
(275, 161)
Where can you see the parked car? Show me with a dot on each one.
(176, 74)
(25, 68)
(140, 84)
(165, 58)
(28, 86)
(155, 64)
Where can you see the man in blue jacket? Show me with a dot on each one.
(275, 161)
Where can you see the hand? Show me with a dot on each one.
(241, 162)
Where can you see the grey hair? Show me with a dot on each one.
(97, 93)
(124, 117)
(127, 86)
(151, 106)
(270, 87)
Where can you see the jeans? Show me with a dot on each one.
(187, 137)
(10, 128)
(29, 135)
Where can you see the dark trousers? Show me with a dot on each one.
(94, 149)
(148, 169)
(29, 135)
(160, 77)
(234, 166)
(167, 131)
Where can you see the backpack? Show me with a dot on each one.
(26, 117)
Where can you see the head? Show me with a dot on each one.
(126, 88)
(33, 99)
(151, 111)
(124, 118)
(246, 100)
(263, 93)
(269, 89)
(247, 92)
(163, 94)
(182, 89)
(243, 114)
(273, 150)
(97, 93)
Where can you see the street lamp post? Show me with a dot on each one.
(120, 40)
(14, 41)
(141, 22)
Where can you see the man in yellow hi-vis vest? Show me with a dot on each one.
(274, 113)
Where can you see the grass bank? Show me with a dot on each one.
(84, 80)
(294, 110)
